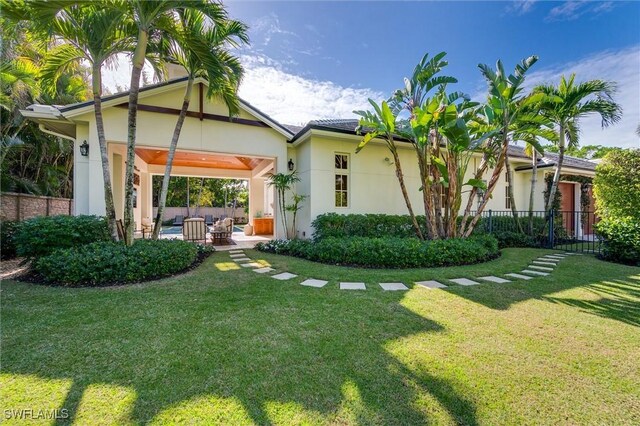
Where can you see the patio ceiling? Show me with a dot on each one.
(195, 159)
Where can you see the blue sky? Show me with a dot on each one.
(323, 59)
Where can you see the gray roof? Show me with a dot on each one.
(348, 125)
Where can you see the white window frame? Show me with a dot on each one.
(342, 172)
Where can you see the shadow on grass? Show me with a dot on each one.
(262, 345)
(612, 290)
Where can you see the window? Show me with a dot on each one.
(507, 200)
(342, 180)
(480, 194)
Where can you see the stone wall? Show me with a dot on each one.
(18, 207)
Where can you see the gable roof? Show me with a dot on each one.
(71, 110)
(349, 125)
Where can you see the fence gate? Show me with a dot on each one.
(561, 229)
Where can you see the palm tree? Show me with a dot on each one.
(95, 34)
(201, 49)
(572, 102)
(154, 20)
(531, 150)
(283, 182)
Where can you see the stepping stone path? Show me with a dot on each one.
(464, 281)
(494, 279)
(314, 283)
(530, 272)
(539, 267)
(430, 284)
(352, 286)
(393, 286)
(284, 276)
(519, 276)
(263, 270)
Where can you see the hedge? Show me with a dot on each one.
(41, 236)
(106, 262)
(388, 252)
(7, 239)
(363, 225)
(621, 240)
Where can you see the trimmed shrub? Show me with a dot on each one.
(107, 262)
(514, 239)
(616, 185)
(388, 252)
(41, 236)
(621, 240)
(7, 239)
(364, 225)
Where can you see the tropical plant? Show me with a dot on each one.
(294, 208)
(95, 34)
(531, 151)
(155, 21)
(200, 49)
(283, 182)
(566, 104)
(510, 113)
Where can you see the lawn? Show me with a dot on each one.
(229, 346)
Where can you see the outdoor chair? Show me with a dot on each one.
(179, 220)
(147, 227)
(222, 231)
(120, 229)
(194, 229)
(208, 219)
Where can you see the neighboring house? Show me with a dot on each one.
(251, 146)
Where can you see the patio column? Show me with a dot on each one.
(256, 197)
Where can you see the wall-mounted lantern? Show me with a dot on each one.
(290, 164)
(84, 149)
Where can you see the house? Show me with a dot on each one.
(253, 145)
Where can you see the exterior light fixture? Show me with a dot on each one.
(84, 149)
(290, 164)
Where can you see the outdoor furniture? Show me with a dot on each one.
(263, 225)
(194, 229)
(147, 227)
(208, 219)
(179, 220)
(222, 230)
(120, 229)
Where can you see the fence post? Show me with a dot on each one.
(551, 216)
(490, 223)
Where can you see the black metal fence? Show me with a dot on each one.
(560, 229)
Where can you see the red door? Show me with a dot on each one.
(568, 205)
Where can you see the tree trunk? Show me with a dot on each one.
(427, 192)
(490, 187)
(110, 210)
(162, 200)
(512, 200)
(472, 195)
(556, 175)
(134, 89)
(534, 179)
(405, 194)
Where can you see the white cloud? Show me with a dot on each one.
(267, 26)
(520, 7)
(293, 99)
(570, 10)
(620, 66)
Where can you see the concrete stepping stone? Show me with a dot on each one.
(252, 265)
(263, 270)
(464, 281)
(540, 262)
(237, 255)
(352, 286)
(284, 276)
(235, 251)
(551, 256)
(314, 283)
(519, 276)
(241, 259)
(540, 268)
(393, 286)
(530, 272)
(494, 279)
(431, 284)
(548, 259)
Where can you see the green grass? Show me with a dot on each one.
(229, 346)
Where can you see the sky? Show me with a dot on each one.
(311, 59)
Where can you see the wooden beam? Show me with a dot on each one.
(205, 116)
